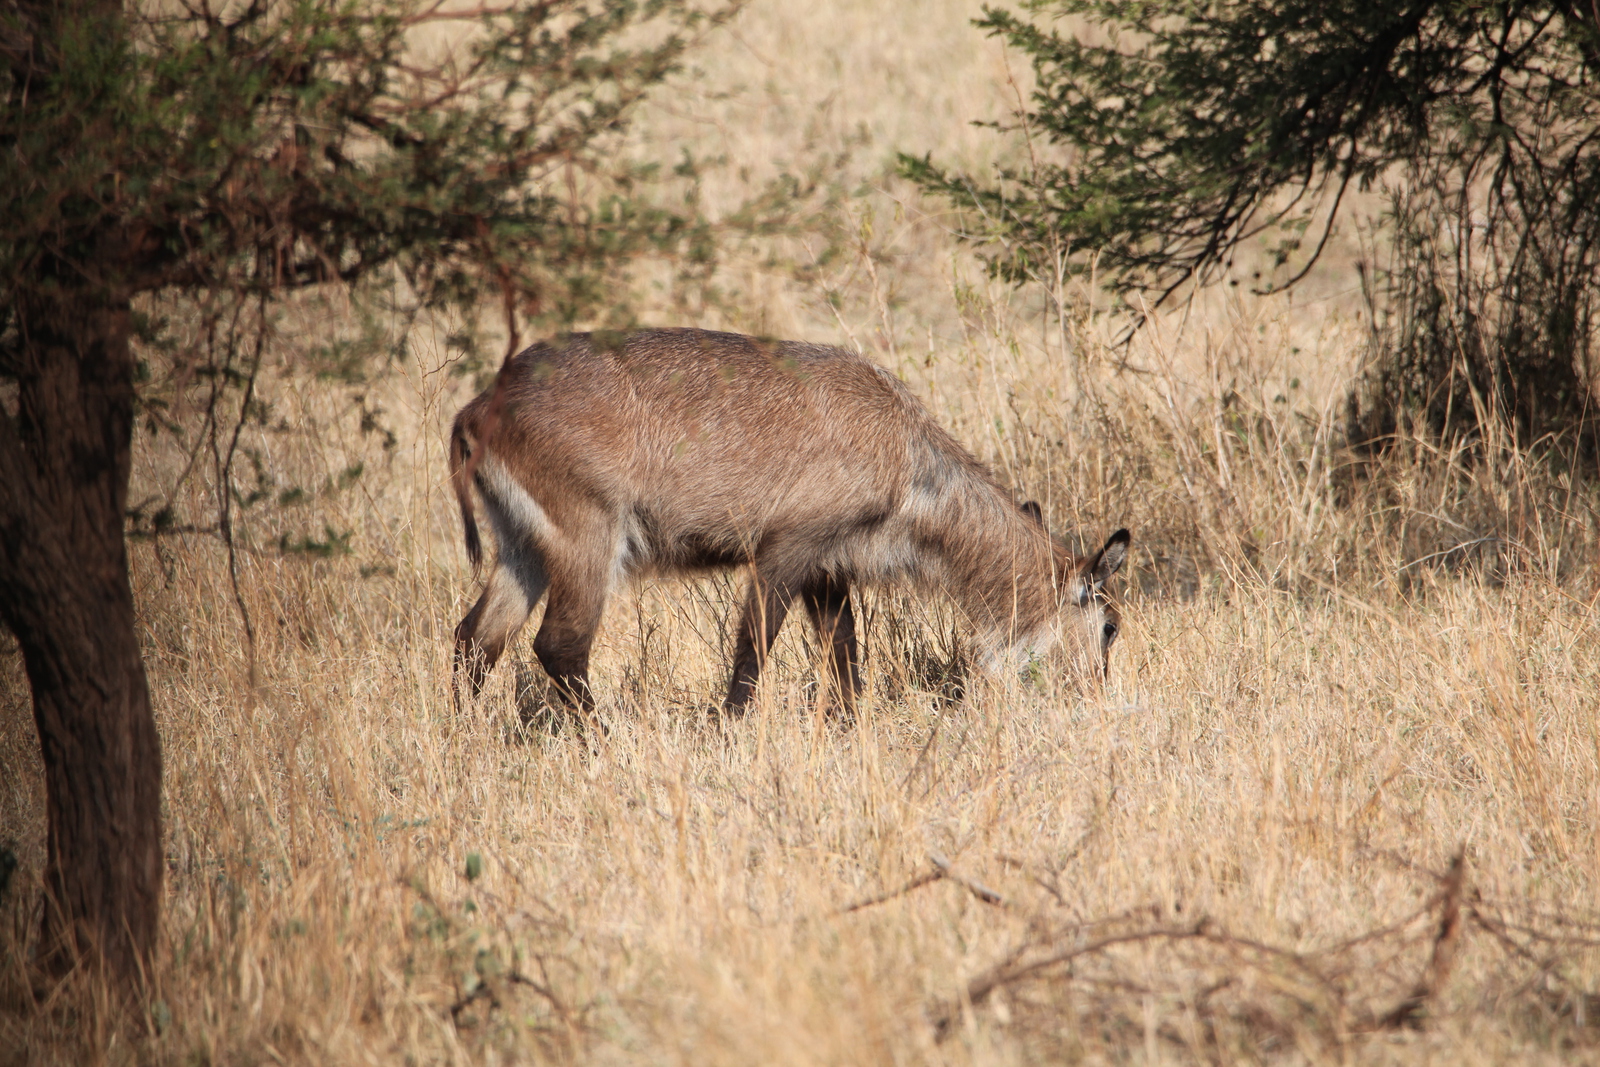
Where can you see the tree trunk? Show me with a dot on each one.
(64, 592)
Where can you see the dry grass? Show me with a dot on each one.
(1333, 678)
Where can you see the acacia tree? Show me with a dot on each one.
(1191, 130)
(251, 148)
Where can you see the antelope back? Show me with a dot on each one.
(693, 449)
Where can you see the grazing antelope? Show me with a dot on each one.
(678, 451)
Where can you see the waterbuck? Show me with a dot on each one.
(680, 451)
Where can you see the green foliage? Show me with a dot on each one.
(282, 144)
(331, 545)
(1197, 127)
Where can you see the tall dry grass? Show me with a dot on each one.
(1336, 674)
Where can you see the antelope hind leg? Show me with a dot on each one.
(509, 597)
(566, 634)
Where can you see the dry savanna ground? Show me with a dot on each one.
(1339, 801)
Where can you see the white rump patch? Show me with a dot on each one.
(518, 519)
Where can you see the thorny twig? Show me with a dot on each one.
(942, 871)
(1043, 955)
(484, 991)
(1410, 1011)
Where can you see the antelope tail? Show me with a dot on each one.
(462, 462)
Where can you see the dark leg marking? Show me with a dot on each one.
(508, 598)
(765, 607)
(827, 601)
(566, 636)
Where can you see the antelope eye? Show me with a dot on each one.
(1109, 631)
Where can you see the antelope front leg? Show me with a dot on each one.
(765, 607)
(828, 604)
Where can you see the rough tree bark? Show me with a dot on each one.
(64, 592)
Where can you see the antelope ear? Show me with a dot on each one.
(1108, 560)
(1032, 509)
